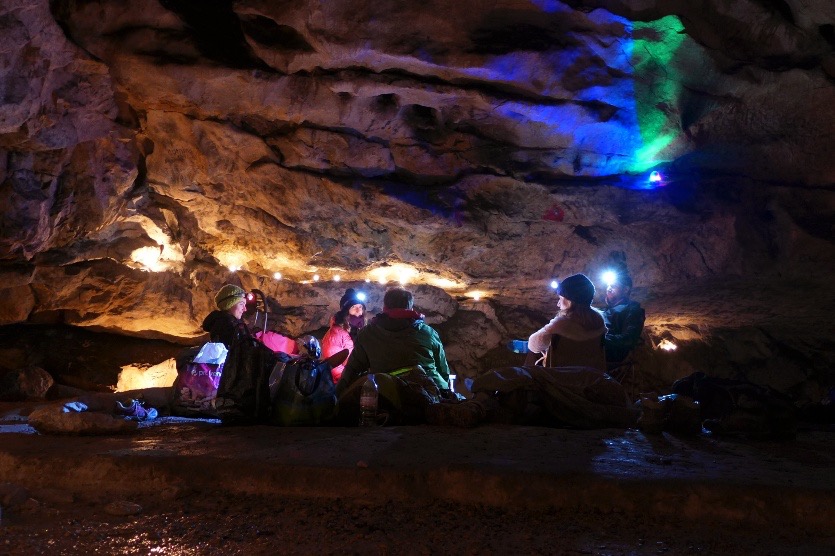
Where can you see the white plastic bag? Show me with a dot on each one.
(213, 353)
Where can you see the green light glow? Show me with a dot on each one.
(645, 157)
(657, 86)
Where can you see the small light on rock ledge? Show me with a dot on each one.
(277, 275)
(667, 345)
(337, 277)
(315, 277)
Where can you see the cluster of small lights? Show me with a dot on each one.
(397, 273)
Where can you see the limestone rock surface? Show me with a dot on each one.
(24, 384)
(150, 153)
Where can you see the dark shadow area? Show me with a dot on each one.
(216, 31)
(78, 357)
(269, 33)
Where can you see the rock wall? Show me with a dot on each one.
(149, 154)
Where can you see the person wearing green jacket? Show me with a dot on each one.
(397, 343)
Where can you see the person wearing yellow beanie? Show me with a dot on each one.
(229, 296)
(226, 323)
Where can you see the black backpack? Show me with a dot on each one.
(243, 395)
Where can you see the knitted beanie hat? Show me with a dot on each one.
(228, 296)
(349, 299)
(577, 288)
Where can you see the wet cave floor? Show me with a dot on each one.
(196, 487)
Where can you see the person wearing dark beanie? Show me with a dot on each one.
(352, 311)
(576, 320)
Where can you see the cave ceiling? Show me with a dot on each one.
(151, 151)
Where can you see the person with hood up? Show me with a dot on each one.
(394, 342)
(577, 321)
(226, 324)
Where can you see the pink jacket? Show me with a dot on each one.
(336, 339)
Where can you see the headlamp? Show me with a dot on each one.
(609, 277)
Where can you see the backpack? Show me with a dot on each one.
(243, 395)
(304, 392)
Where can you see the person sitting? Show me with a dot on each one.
(226, 324)
(352, 304)
(399, 348)
(336, 339)
(576, 321)
(571, 391)
(624, 318)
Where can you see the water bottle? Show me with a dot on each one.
(368, 403)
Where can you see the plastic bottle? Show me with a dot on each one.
(368, 403)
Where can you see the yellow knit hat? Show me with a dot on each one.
(228, 296)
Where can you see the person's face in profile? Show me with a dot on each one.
(239, 308)
(564, 304)
(615, 293)
(355, 310)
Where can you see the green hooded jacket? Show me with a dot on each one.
(387, 344)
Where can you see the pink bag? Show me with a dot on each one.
(277, 342)
(195, 389)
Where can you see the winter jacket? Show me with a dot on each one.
(625, 322)
(578, 346)
(335, 340)
(387, 344)
(565, 327)
(222, 326)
